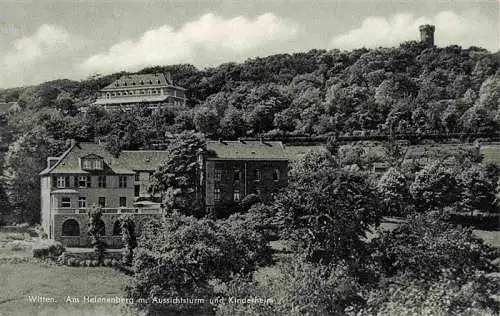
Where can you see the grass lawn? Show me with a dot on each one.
(19, 281)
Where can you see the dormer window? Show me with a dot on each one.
(92, 162)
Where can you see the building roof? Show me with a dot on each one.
(246, 150)
(128, 162)
(141, 81)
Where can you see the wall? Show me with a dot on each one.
(247, 171)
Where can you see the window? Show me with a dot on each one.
(236, 175)
(117, 228)
(82, 202)
(122, 181)
(83, 182)
(137, 190)
(101, 181)
(276, 175)
(86, 164)
(218, 175)
(136, 177)
(102, 201)
(61, 182)
(258, 175)
(236, 194)
(98, 164)
(65, 202)
(70, 228)
(123, 201)
(217, 194)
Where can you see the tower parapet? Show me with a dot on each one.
(427, 34)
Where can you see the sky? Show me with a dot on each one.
(42, 40)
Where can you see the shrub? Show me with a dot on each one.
(296, 288)
(81, 263)
(115, 263)
(72, 262)
(107, 262)
(48, 249)
(88, 263)
(181, 256)
(94, 263)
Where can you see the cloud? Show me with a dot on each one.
(202, 41)
(465, 29)
(27, 54)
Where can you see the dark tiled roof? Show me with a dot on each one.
(127, 163)
(247, 150)
(143, 80)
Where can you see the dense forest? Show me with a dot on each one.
(405, 89)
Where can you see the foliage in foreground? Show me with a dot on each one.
(182, 257)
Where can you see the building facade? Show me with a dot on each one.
(88, 176)
(232, 170)
(145, 90)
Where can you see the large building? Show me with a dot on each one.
(88, 176)
(144, 90)
(232, 170)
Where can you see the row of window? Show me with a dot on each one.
(92, 164)
(117, 84)
(237, 175)
(82, 202)
(136, 92)
(71, 228)
(62, 182)
(236, 193)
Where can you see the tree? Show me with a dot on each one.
(182, 256)
(24, 160)
(327, 212)
(129, 238)
(434, 187)
(206, 121)
(176, 178)
(477, 190)
(297, 288)
(394, 189)
(96, 233)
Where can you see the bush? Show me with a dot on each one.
(81, 263)
(115, 263)
(107, 262)
(88, 263)
(95, 263)
(72, 262)
(181, 256)
(296, 288)
(48, 249)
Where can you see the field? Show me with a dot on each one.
(20, 281)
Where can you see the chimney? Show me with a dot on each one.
(51, 161)
(427, 34)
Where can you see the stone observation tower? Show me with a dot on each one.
(427, 34)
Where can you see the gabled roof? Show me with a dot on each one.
(246, 150)
(128, 162)
(140, 80)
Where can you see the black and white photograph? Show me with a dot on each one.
(249, 157)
